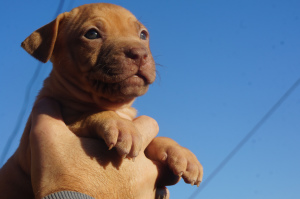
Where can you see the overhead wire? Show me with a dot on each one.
(246, 138)
(26, 100)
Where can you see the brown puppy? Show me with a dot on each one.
(101, 63)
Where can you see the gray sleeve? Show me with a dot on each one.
(68, 195)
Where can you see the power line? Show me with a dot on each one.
(59, 8)
(26, 100)
(246, 138)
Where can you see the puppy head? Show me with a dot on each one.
(101, 48)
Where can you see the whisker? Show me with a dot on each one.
(158, 64)
(158, 79)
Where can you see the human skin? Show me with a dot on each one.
(62, 161)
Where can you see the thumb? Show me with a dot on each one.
(149, 128)
(47, 125)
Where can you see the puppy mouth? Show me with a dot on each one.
(121, 86)
(136, 79)
(121, 81)
(121, 91)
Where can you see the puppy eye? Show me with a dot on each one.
(92, 34)
(144, 35)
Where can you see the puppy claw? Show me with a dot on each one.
(192, 183)
(180, 174)
(110, 146)
(124, 156)
(198, 183)
(164, 157)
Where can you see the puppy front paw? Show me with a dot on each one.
(179, 159)
(116, 131)
(122, 135)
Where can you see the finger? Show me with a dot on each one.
(47, 128)
(46, 123)
(148, 128)
(46, 117)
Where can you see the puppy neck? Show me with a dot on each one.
(68, 94)
(124, 110)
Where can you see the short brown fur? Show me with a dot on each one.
(96, 81)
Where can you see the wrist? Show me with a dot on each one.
(67, 195)
(61, 184)
(14, 182)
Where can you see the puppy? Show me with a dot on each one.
(101, 63)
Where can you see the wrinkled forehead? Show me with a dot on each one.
(110, 17)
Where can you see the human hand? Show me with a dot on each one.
(62, 161)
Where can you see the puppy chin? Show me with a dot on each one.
(118, 95)
(132, 92)
(127, 93)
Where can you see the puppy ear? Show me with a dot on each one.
(40, 43)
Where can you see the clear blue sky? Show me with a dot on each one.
(224, 64)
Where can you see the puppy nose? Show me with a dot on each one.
(139, 55)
